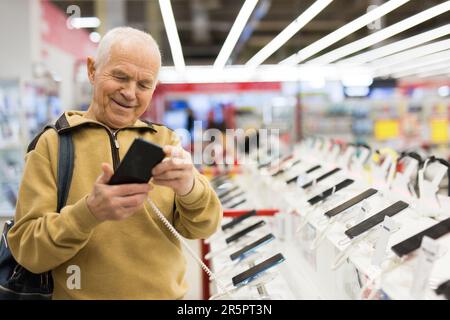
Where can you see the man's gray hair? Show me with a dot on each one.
(120, 34)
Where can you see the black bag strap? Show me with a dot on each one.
(65, 168)
(65, 158)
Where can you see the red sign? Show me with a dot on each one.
(76, 42)
(218, 87)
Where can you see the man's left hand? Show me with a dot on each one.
(176, 171)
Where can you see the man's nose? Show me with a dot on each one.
(129, 91)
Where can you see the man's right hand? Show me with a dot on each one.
(115, 202)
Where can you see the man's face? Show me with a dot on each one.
(124, 84)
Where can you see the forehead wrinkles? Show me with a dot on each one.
(133, 71)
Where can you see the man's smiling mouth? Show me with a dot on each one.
(122, 105)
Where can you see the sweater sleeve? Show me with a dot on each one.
(197, 214)
(41, 239)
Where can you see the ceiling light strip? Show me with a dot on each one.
(235, 33)
(288, 32)
(172, 34)
(427, 68)
(398, 46)
(382, 34)
(343, 32)
(418, 63)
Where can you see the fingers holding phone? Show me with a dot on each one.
(175, 171)
(115, 202)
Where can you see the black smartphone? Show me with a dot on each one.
(243, 232)
(322, 177)
(324, 195)
(434, 232)
(376, 219)
(444, 289)
(350, 203)
(252, 273)
(234, 205)
(138, 162)
(239, 219)
(230, 197)
(282, 170)
(312, 169)
(227, 191)
(247, 250)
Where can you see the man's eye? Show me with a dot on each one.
(120, 78)
(145, 86)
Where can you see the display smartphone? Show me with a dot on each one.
(243, 232)
(266, 164)
(226, 192)
(324, 195)
(375, 219)
(238, 219)
(434, 232)
(137, 165)
(282, 170)
(247, 250)
(255, 271)
(350, 203)
(322, 177)
(234, 205)
(293, 179)
(225, 200)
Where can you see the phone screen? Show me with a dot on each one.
(238, 219)
(243, 232)
(376, 219)
(228, 191)
(137, 165)
(252, 273)
(350, 203)
(245, 251)
(322, 177)
(434, 232)
(234, 205)
(312, 169)
(329, 192)
(230, 197)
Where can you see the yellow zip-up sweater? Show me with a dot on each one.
(136, 258)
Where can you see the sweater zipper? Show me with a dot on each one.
(114, 148)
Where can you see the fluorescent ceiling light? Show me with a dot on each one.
(264, 73)
(343, 31)
(426, 68)
(172, 34)
(382, 34)
(445, 72)
(288, 32)
(419, 63)
(398, 46)
(86, 22)
(384, 64)
(95, 37)
(235, 33)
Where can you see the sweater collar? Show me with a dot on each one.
(72, 119)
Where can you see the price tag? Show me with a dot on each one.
(385, 230)
(428, 253)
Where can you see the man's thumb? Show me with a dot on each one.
(107, 173)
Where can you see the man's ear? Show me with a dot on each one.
(91, 69)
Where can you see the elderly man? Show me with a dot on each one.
(109, 232)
